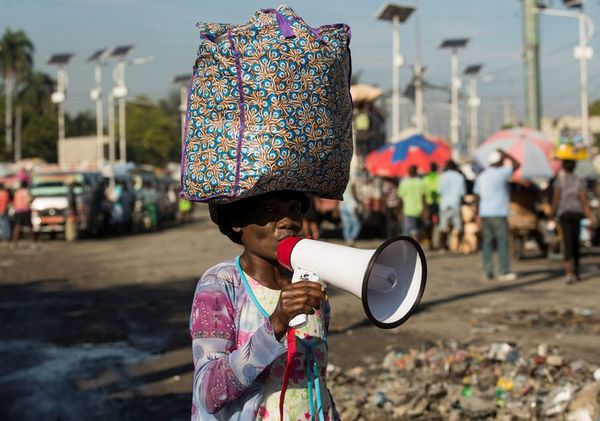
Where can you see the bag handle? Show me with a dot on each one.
(286, 28)
(284, 25)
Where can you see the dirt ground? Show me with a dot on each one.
(97, 329)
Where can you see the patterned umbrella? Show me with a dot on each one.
(395, 159)
(530, 147)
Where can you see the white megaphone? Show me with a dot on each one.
(389, 280)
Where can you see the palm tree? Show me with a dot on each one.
(16, 61)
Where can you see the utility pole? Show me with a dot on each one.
(531, 55)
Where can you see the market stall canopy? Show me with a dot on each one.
(395, 159)
(361, 92)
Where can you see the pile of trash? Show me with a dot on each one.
(444, 381)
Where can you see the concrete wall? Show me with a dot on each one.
(78, 151)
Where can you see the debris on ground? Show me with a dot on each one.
(445, 381)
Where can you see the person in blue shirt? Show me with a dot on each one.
(493, 191)
(452, 188)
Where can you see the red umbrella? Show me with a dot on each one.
(395, 159)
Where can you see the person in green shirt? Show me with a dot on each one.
(432, 198)
(411, 192)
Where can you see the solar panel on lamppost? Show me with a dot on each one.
(396, 14)
(183, 81)
(60, 60)
(97, 58)
(474, 102)
(120, 92)
(454, 44)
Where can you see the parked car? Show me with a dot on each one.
(50, 201)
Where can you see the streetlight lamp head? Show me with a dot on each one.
(182, 79)
(121, 51)
(389, 10)
(61, 59)
(454, 43)
(99, 55)
(473, 69)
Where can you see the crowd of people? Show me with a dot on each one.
(445, 211)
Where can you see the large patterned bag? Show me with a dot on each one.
(269, 108)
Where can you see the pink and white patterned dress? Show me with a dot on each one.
(239, 365)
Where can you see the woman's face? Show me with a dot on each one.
(267, 220)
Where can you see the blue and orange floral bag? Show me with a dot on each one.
(269, 108)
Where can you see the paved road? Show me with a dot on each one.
(98, 329)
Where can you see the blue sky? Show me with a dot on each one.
(165, 29)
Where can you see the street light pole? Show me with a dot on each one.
(583, 53)
(396, 64)
(96, 95)
(474, 103)
(454, 45)
(419, 108)
(122, 96)
(58, 97)
(397, 14)
(454, 123)
(183, 82)
(111, 135)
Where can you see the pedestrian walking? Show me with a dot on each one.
(569, 206)
(432, 193)
(240, 318)
(411, 192)
(391, 206)
(452, 188)
(22, 215)
(493, 191)
(351, 224)
(5, 231)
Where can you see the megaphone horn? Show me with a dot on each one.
(389, 280)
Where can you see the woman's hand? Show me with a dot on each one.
(303, 297)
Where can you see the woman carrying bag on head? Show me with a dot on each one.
(569, 207)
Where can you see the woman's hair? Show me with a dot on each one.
(227, 215)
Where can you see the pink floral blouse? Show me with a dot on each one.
(239, 365)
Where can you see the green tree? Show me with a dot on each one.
(152, 132)
(16, 61)
(595, 108)
(83, 124)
